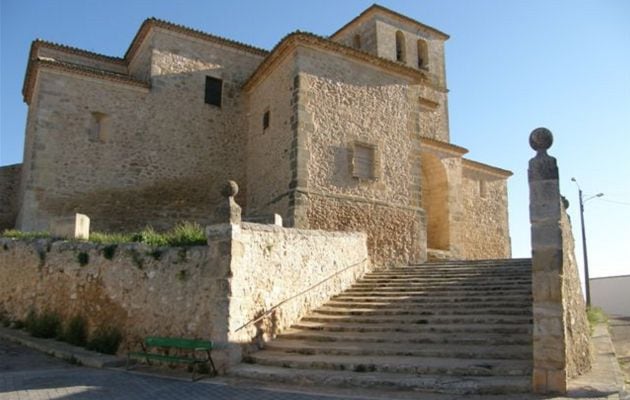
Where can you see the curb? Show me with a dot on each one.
(62, 350)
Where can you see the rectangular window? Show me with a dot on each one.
(266, 120)
(363, 161)
(214, 89)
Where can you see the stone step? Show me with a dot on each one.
(424, 305)
(392, 273)
(394, 364)
(442, 291)
(479, 263)
(435, 297)
(306, 347)
(445, 284)
(420, 320)
(338, 308)
(418, 328)
(406, 337)
(386, 381)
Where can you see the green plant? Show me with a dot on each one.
(109, 251)
(83, 258)
(105, 340)
(186, 234)
(76, 331)
(46, 325)
(149, 236)
(596, 315)
(15, 234)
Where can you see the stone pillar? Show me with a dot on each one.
(224, 242)
(73, 227)
(549, 352)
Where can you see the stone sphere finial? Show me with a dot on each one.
(540, 139)
(230, 189)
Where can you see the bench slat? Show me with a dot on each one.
(191, 344)
(164, 357)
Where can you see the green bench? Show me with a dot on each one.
(188, 351)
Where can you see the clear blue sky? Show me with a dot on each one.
(511, 66)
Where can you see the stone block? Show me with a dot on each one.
(544, 203)
(546, 235)
(74, 227)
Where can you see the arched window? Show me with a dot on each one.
(400, 47)
(423, 54)
(356, 41)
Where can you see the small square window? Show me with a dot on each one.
(364, 161)
(266, 117)
(214, 89)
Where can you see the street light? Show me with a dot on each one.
(582, 201)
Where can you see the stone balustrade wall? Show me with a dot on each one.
(208, 291)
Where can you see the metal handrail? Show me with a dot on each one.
(297, 295)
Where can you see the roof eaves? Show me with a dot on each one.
(299, 37)
(476, 165)
(155, 22)
(37, 43)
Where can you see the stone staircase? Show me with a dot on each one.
(448, 327)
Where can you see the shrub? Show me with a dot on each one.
(109, 251)
(46, 325)
(186, 234)
(105, 340)
(83, 258)
(76, 331)
(149, 236)
(596, 315)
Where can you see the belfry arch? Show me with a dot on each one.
(435, 202)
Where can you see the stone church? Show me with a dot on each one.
(342, 132)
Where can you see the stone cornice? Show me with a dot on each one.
(291, 41)
(37, 64)
(39, 43)
(485, 168)
(449, 148)
(378, 9)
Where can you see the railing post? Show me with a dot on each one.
(549, 342)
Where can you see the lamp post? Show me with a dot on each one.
(582, 201)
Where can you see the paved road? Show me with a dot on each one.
(28, 374)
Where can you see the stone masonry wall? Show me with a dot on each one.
(268, 151)
(485, 216)
(577, 329)
(162, 162)
(202, 291)
(9, 188)
(272, 265)
(345, 103)
(178, 291)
